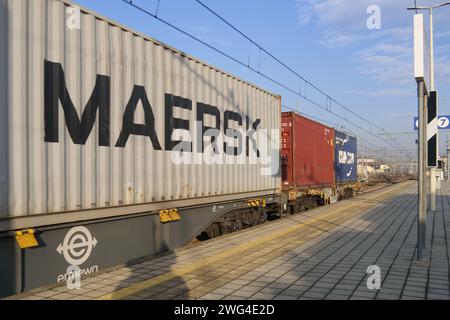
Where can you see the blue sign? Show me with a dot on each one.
(443, 122)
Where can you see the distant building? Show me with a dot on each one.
(366, 167)
(384, 168)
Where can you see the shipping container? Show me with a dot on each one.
(307, 153)
(141, 90)
(95, 119)
(345, 158)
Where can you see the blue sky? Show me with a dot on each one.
(326, 41)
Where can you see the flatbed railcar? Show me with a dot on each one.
(105, 137)
(307, 162)
(318, 167)
(318, 163)
(104, 142)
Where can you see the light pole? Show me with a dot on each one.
(431, 59)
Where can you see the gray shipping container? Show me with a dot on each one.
(84, 117)
(91, 114)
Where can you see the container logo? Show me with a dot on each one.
(76, 248)
(346, 157)
(350, 172)
(215, 137)
(77, 245)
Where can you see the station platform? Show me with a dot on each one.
(322, 253)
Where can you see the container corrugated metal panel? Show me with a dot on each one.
(43, 177)
(307, 153)
(345, 157)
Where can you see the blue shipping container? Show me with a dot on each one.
(345, 163)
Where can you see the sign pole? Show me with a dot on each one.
(425, 162)
(421, 161)
(433, 181)
(421, 74)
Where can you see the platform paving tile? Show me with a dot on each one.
(313, 295)
(387, 296)
(63, 296)
(326, 258)
(293, 292)
(433, 296)
(46, 294)
(244, 293)
(263, 296)
(250, 288)
(285, 297)
(314, 290)
(270, 291)
(365, 293)
(438, 291)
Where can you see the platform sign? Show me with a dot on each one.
(432, 129)
(421, 57)
(443, 122)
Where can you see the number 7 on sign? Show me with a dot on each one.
(443, 122)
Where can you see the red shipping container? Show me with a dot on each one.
(307, 153)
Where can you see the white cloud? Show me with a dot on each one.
(305, 11)
(443, 34)
(339, 40)
(404, 116)
(405, 91)
(385, 55)
(387, 63)
(348, 14)
(442, 69)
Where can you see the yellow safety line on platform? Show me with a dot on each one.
(177, 272)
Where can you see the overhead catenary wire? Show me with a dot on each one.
(328, 97)
(364, 143)
(334, 124)
(385, 137)
(370, 150)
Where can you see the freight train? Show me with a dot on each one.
(115, 147)
(318, 166)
